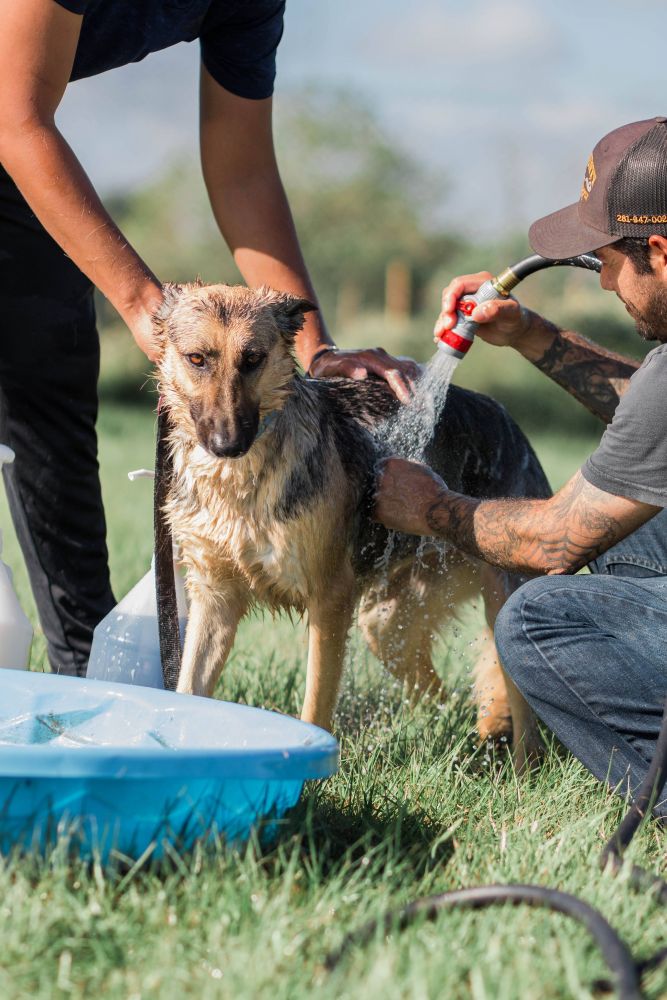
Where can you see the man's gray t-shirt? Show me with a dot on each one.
(631, 459)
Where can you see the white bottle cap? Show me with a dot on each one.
(141, 474)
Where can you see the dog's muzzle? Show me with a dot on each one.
(221, 446)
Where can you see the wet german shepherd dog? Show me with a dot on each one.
(271, 499)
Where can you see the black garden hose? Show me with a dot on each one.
(529, 265)
(625, 970)
(615, 952)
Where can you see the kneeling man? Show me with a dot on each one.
(588, 652)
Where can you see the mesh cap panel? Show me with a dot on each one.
(637, 193)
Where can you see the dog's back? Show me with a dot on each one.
(476, 447)
(412, 589)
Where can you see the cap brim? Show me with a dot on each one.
(562, 234)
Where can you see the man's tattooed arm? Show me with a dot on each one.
(596, 377)
(558, 535)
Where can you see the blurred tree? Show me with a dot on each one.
(358, 201)
(363, 207)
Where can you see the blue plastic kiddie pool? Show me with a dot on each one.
(119, 767)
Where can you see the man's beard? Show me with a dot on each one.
(652, 323)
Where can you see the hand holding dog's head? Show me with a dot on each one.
(226, 359)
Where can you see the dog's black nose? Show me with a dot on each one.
(222, 447)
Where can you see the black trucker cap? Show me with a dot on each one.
(624, 194)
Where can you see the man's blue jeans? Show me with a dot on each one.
(589, 654)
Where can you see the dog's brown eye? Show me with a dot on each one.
(198, 360)
(252, 359)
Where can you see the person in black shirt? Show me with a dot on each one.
(57, 241)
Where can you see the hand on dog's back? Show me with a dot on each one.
(400, 374)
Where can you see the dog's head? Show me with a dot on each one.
(226, 359)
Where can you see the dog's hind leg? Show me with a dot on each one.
(490, 693)
(329, 621)
(502, 709)
(213, 618)
(399, 618)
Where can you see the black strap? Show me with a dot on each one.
(165, 585)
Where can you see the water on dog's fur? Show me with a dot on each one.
(409, 432)
(406, 434)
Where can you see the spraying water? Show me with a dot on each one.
(409, 432)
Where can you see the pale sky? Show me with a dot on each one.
(507, 97)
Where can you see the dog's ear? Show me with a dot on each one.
(288, 310)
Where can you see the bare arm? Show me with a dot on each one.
(38, 41)
(249, 201)
(252, 211)
(554, 536)
(594, 376)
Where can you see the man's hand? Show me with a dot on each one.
(593, 375)
(399, 373)
(406, 492)
(502, 321)
(141, 323)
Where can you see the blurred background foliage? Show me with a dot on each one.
(380, 250)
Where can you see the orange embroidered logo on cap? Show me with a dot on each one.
(589, 179)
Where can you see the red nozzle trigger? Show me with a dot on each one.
(466, 306)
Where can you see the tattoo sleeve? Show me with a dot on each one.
(594, 376)
(554, 536)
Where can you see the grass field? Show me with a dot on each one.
(417, 808)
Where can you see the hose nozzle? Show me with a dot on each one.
(458, 340)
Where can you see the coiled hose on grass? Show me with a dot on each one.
(625, 971)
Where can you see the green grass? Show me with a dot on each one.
(417, 808)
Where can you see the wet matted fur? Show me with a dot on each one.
(273, 476)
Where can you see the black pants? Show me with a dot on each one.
(49, 364)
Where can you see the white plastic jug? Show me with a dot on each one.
(126, 644)
(15, 628)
